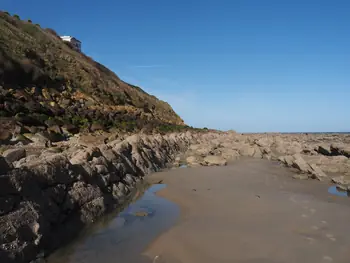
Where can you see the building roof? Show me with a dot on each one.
(69, 38)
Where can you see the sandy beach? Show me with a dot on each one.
(251, 211)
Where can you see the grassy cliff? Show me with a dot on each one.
(44, 83)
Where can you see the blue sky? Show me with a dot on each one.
(250, 65)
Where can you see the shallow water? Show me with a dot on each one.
(335, 191)
(125, 237)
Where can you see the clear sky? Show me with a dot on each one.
(249, 65)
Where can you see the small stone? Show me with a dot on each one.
(141, 214)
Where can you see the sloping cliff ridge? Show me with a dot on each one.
(45, 83)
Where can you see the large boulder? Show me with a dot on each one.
(201, 149)
(230, 154)
(12, 155)
(247, 150)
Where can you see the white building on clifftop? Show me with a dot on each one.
(76, 44)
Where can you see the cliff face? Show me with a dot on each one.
(44, 82)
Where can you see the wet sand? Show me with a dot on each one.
(253, 212)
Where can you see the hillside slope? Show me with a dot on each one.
(44, 82)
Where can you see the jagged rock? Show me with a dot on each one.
(287, 160)
(129, 179)
(340, 149)
(300, 164)
(93, 209)
(23, 233)
(12, 155)
(341, 180)
(317, 173)
(331, 164)
(80, 194)
(324, 149)
(120, 190)
(86, 182)
(85, 155)
(264, 142)
(53, 169)
(257, 153)
(212, 160)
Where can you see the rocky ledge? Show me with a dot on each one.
(47, 197)
(324, 157)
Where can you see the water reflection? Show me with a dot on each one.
(335, 191)
(125, 237)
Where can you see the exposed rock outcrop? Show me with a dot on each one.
(43, 197)
(43, 194)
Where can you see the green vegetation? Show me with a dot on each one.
(80, 122)
(34, 59)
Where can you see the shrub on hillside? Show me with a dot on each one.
(16, 16)
(30, 29)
